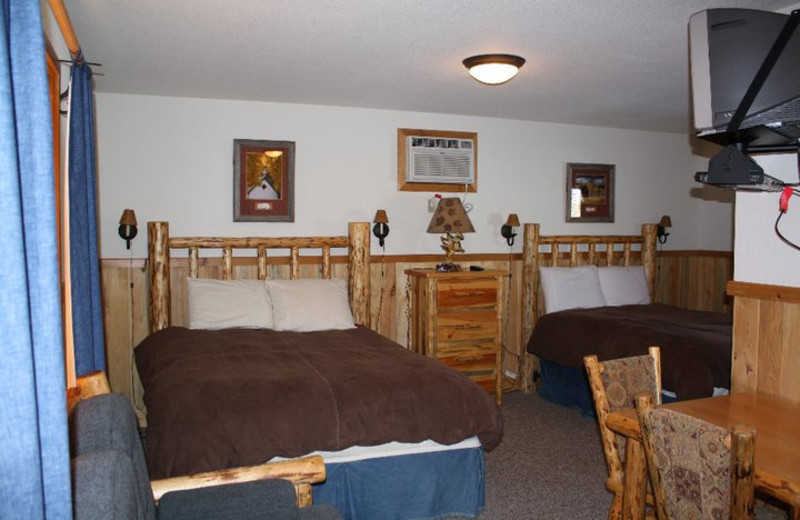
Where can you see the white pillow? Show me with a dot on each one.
(571, 288)
(624, 285)
(224, 304)
(310, 304)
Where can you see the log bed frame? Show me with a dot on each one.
(571, 251)
(301, 472)
(159, 245)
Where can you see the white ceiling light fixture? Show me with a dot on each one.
(493, 69)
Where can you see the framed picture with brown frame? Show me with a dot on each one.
(590, 192)
(263, 181)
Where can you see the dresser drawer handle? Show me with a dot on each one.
(468, 358)
(467, 327)
(468, 294)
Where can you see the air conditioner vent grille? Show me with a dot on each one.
(440, 160)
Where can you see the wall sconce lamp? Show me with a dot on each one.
(381, 227)
(127, 227)
(661, 229)
(451, 219)
(507, 229)
(493, 69)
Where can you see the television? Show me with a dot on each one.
(745, 78)
(727, 50)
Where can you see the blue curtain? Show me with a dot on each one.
(34, 452)
(87, 307)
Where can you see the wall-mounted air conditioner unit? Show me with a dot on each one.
(440, 160)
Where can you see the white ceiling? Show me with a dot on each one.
(613, 63)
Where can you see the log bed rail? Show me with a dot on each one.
(572, 251)
(159, 245)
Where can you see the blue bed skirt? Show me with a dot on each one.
(569, 387)
(566, 386)
(407, 487)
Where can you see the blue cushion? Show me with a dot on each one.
(273, 499)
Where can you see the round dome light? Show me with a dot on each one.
(493, 69)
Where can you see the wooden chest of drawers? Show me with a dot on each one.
(457, 319)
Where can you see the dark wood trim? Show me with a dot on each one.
(401, 259)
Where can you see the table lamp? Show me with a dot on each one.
(451, 219)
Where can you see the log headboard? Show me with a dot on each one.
(160, 244)
(571, 251)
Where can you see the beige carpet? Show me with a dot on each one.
(550, 466)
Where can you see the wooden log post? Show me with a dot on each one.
(530, 310)
(743, 447)
(158, 270)
(649, 235)
(359, 251)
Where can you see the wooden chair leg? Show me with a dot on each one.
(615, 511)
(635, 482)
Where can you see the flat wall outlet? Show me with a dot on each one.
(432, 203)
(509, 374)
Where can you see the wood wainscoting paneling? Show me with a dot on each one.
(691, 279)
(694, 279)
(766, 339)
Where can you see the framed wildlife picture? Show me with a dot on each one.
(263, 181)
(590, 192)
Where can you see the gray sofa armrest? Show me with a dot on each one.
(104, 486)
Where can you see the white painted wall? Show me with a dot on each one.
(760, 256)
(171, 159)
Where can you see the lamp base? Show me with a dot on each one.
(448, 267)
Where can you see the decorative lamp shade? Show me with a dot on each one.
(450, 217)
(381, 217)
(128, 218)
(665, 221)
(127, 227)
(513, 220)
(381, 227)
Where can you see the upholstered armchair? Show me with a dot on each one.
(110, 479)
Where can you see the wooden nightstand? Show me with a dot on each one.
(457, 318)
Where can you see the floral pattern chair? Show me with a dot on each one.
(697, 470)
(615, 384)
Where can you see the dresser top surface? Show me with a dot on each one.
(433, 273)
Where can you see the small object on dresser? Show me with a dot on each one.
(475, 268)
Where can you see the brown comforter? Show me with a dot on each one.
(235, 397)
(695, 345)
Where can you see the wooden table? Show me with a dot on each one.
(777, 459)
